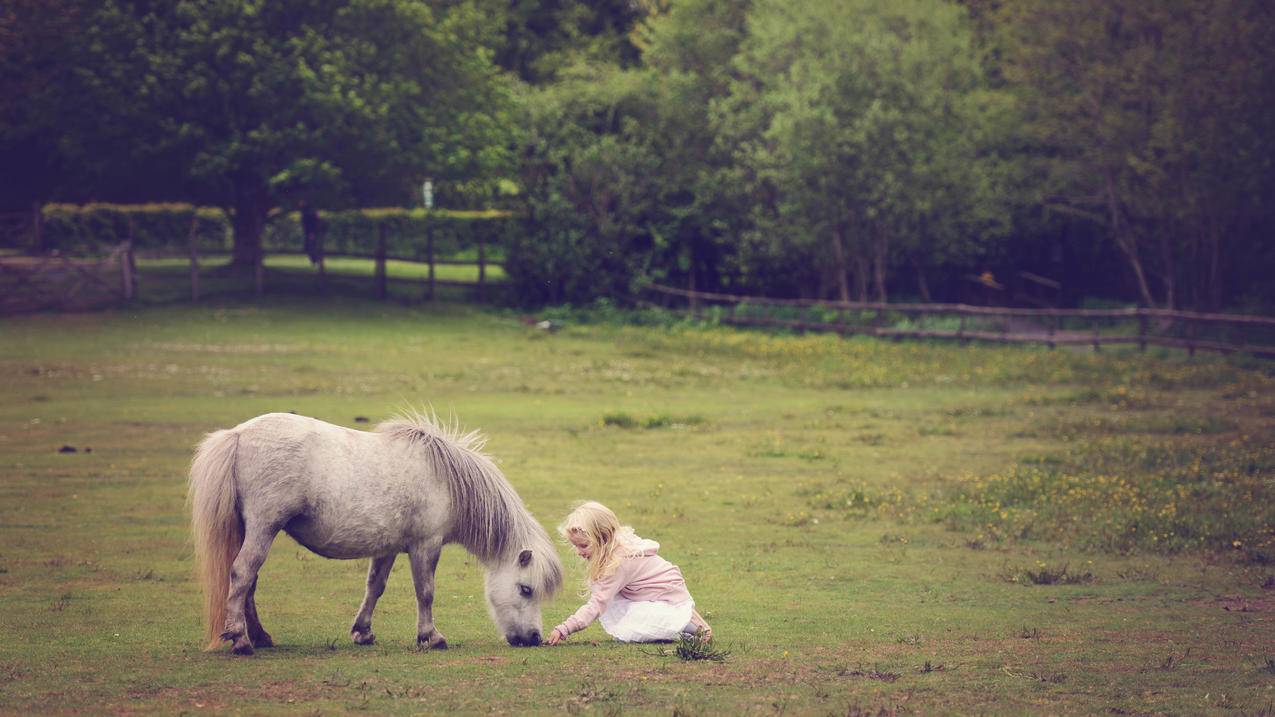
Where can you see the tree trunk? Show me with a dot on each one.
(1126, 242)
(1170, 269)
(252, 204)
(922, 286)
(861, 263)
(839, 264)
(1213, 283)
(880, 248)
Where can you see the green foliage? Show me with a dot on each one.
(94, 228)
(248, 105)
(867, 134)
(1151, 119)
(589, 183)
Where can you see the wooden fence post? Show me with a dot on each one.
(690, 286)
(126, 269)
(429, 253)
(1142, 331)
(381, 290)
(37, 226)
(259, 272)
(193, 242)
(482, 265)
(1053, 327)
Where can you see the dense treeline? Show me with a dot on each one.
(857, 149)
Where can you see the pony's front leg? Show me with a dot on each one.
(256, 633)
(377, 573)
(424, 557)
(243, 578)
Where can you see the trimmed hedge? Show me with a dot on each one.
(95, 228)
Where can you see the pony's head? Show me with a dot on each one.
(515, 589)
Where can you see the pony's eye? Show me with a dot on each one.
(524, 590)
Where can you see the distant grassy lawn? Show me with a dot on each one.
(871, 527)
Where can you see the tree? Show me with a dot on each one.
(865, 127)
(540, 38)
(1153, 120)
(41, 49)
(589, 181)
(246, 104)
(704, 206)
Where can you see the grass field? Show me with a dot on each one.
(871, 527)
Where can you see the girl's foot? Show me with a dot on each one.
(699, 622)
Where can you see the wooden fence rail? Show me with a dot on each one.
(1051, 334)
(379, 277)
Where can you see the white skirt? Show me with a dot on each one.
(646, 620)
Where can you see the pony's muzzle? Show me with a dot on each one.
(531, 639)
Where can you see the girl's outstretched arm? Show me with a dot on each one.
(602, 591)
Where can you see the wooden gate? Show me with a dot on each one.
(37, 283)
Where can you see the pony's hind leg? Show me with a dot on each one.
(256, 633)
(424, 557)
(243, 577)
(378, 571)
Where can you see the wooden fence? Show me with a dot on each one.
(1053, 327)
(380, 256)
(37, 283)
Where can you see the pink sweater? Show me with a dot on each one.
(640, 577)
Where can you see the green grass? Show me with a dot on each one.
(870, 527)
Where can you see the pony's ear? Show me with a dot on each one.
(524, 558)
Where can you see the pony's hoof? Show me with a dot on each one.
(262, 639)
(433, 641)
(362, 637)
(241, 647)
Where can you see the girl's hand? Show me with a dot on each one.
(555, 637)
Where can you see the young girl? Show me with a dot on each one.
(637, 595)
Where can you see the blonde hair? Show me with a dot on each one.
(608, 540)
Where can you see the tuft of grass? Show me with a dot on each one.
(629, 422)
(1172, 661)
(1044, 575)
(1052, 678)
(692, 648)
(876, 673)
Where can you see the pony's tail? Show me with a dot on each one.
(215, 524)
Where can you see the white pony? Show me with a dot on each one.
(411, 486)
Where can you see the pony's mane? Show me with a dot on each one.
(491, 520)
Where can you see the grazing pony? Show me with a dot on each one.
(410, 486)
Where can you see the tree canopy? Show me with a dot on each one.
(858, 149)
